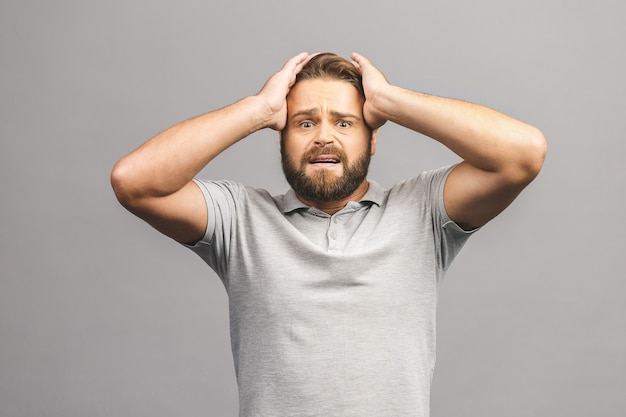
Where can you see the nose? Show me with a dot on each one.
(324, 135)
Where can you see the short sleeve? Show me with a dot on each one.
(450, 237)
(221, 199)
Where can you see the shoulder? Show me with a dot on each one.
(236, 194)
(426, 182)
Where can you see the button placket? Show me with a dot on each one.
(334, 235)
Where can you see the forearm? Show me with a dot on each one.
(168, 161)
(484, 138)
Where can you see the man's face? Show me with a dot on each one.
(326, 146)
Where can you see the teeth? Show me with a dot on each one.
(323, 159)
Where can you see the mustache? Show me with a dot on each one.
(326, 150)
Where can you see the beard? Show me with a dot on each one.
(324, 186)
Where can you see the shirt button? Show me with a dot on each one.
(333, 235)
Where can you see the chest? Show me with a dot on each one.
(356, 256)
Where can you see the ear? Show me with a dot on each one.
(373, 140)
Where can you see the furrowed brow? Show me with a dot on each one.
(334, 113)
(308, 112)
(341, 115)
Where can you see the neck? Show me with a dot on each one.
(332, 207)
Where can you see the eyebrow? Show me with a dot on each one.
(341, 115)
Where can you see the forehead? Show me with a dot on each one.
(324, 96)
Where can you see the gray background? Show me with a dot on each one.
(101, 316)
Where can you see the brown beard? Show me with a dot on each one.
(325, 186)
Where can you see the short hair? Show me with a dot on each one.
(329, 66)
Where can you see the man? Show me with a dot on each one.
(333, 286)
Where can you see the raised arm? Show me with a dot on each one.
(501, 155)
(154, 181)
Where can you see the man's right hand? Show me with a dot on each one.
(274, 92)
(155, 180)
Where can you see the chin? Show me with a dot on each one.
(333, 171)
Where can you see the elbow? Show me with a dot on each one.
(537, 151)
(534, 155)
(529, 158)
(123, 184)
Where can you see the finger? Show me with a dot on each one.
(296, 60)
(304, 62)
(359, 59)
(301, 56)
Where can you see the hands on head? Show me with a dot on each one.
(277, 87)
(374, 82)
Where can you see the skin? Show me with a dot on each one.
(323, 113)
(501, 155)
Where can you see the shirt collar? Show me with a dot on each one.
(290, 202)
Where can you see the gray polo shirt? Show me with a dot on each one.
(332, 315)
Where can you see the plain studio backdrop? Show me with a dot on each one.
(102, 316)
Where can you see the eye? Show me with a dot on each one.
(306, 124)
(343, 123)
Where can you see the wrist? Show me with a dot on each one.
(259, 116)
(384, 101)
(265, 115)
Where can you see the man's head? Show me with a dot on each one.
(326, 145)
(328, 66)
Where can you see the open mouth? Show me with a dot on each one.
(325, 159)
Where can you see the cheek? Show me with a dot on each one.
(356, 150)
(292, 151)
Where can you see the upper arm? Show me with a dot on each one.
(473, 196)
(181, 215)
